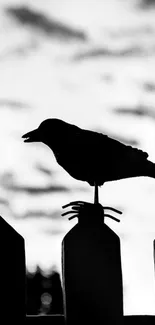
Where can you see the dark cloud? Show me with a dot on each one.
(36, 190)
(139, 111)
(4, 202)
(146, 3)
(41, 22)
(149, 86)
(105, 52)
(8, 182)
(39, 214)
(45, 170)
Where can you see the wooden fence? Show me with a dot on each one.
(13, 285)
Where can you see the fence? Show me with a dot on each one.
(59, 320)
(13, 285)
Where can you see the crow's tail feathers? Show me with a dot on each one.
(149, 169)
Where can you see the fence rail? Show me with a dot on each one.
(43, 320)
(59, 320)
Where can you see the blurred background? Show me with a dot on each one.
(90, 63)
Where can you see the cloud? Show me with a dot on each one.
(46, 171)
(107, 52)
(146, 3)
(36, 189)
(139, 111)
(42, 23)
(39, 214)
(13, 104)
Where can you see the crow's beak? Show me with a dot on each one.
(32, 136)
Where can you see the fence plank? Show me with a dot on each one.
(12, 275)
(92, 274)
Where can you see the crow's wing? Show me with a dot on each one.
(121, 150)
(95, 145)
(95, 157)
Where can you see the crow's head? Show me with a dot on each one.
(47, 130)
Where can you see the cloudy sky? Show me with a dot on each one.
(90, 63)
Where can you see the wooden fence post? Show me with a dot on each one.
(12, 275)
(91, 271)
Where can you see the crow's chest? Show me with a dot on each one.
(71, 161)
(78, 161)
(81, 162)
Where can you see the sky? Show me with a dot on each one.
(90, 63)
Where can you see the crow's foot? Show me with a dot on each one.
(79, 208)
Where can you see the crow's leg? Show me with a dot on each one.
(96, 199)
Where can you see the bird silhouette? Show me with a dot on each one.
(91, 156)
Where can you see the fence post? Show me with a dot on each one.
(91, 271)
(12, 275)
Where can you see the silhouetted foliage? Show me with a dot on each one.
(44, 293)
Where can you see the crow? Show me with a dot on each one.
(91, 156)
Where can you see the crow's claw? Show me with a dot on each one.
(112, 209)
(111, 217)
(78, 208)
(72, 203)
(68, 212)
(75, 215)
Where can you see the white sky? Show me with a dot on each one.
(54, 85)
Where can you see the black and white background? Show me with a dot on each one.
(91, 63)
